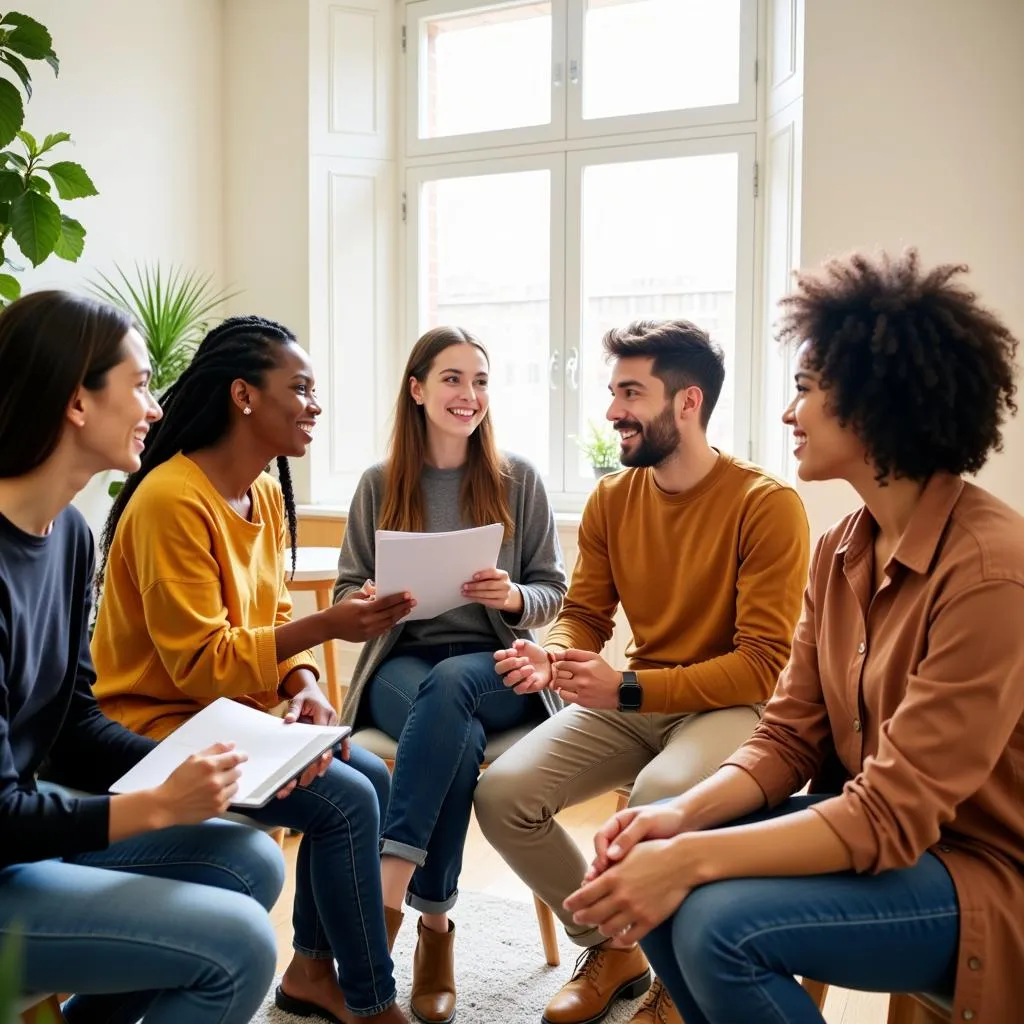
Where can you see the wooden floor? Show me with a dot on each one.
(485, 871)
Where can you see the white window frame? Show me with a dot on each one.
(415, 179)
(421, 10)
(739, 366)
(744, 109)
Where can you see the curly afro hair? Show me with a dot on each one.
(922, 373)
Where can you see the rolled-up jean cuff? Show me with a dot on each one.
(313, 954)
(431, 906)
(389, 848)
(373, 1010)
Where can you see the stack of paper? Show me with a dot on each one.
(434, 566)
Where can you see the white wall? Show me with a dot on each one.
(140, 90)
(913, 133)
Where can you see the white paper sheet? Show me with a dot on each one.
(277, 752)
(433, 566)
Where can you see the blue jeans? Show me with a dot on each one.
(729, 953)
(171, 924)
(338, 910)
(441, 703)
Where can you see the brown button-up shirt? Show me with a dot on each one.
(918, 688)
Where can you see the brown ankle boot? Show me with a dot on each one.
(392, 922)
(657, 1007)
(602, 975)
(433, 975)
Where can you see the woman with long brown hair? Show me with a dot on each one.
(431, 684)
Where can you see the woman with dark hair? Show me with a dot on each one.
(136, 902)
(902, 701)
(435, 677)
(195, 607)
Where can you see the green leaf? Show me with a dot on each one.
(54, 62)
(71, 242)
(10, 287)
(39, 184)
(30, 142)
(12, 112)
(17, 65)
(35, 224)
(71, 180)
(54, 139)
(115, 487)
(29, 38)
(16, 159)
(11, 185)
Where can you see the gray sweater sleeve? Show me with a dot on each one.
(542, 578)
(356, 562)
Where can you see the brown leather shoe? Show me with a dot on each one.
(392, 922)
(657, 1007)
(433, 975)
(602, 975)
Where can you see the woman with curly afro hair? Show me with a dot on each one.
(902, 703)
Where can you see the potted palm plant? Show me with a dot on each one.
(173, 309)
(600, 448)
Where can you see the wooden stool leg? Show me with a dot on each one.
(46, 1012)
(902, 1010)
(548, 934)
(817, 990)
(622, 802)
(323, 601)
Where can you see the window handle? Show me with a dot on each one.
(553, 371)
(574, 71)
(572, 366)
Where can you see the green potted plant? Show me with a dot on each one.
(173, 308)
(600, 447)
(29, 215)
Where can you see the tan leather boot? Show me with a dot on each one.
(392, 922)
(602, 975)
(433, 975)
(657, 1007)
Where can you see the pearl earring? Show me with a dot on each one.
(247, 411)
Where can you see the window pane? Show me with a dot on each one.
(485, 265)
(485, 70)
(659, 240)
(644, 56)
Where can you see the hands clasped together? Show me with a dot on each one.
(578, 677)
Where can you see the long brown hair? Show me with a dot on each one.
(483, 498)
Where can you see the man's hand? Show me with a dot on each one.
(362, 615)
(493, 589)
(524, 666)
(200, 787)
(633, 896)
(585, 678)
(623, 830)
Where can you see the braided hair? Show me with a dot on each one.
(197, 410)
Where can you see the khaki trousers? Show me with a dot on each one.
(579, 754)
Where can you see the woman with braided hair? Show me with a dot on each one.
(195, 607)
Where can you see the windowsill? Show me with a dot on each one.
(568, 518)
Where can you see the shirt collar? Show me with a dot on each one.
(916, 548)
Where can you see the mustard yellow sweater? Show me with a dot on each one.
(190, 601)
(710, 581)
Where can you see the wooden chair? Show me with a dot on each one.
(316, 569)
(379, 743)
(904, 1008)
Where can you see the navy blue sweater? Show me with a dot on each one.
(47, 710)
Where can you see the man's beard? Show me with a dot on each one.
(658, 440)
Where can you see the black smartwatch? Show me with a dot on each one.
(631, 693)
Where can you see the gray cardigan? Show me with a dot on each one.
(531, 557)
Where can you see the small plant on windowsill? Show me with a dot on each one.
(600, 447)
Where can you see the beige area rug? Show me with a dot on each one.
(500, 969)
